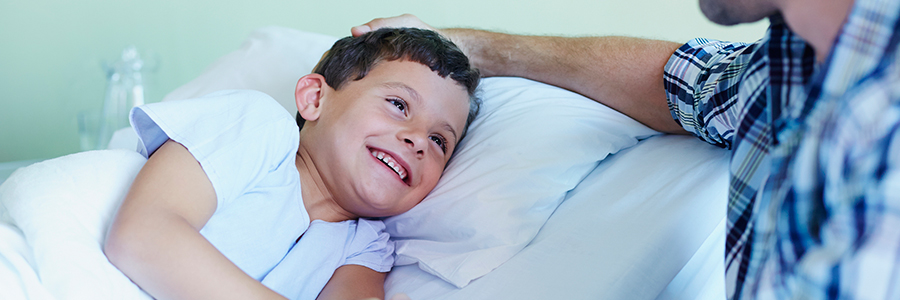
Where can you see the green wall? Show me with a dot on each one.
(51, 51)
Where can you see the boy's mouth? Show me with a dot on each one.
(389, 161)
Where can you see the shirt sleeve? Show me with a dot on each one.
(371, 246)
(703, 82)
(236, 136)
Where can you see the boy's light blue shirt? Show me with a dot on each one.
(246, 143)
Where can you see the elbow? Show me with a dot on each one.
(121, 249)
(114, 249)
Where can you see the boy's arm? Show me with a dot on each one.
(354, 282)
(155, 239)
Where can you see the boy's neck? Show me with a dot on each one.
(318, 201)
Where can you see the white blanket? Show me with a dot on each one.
(53, 220)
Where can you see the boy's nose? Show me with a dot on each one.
(416, 144)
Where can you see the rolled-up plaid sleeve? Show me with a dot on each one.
(702, 80)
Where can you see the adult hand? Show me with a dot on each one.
(404, 20)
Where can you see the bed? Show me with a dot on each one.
(550, 196)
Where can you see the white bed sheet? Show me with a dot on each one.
(703, 276)
(662, 202)
(646, 223)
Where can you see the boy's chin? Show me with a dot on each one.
(381, 213)
(377, 214)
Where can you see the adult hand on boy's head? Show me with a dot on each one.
(409, 20)
(404, 20)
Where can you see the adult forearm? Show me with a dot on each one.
(623, 73)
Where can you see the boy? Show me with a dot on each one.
(233, 203)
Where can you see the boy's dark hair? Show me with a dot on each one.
(351, 58)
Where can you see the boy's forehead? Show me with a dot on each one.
(424, 88)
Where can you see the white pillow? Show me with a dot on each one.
(530, 144)
(63, 207)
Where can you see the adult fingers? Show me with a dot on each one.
(404, 20)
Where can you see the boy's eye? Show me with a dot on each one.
(398, 103)
(440, 141)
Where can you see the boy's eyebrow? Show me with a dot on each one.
(415, 97)
(450, 128)
(409, 90)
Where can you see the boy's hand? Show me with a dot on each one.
(400, 297)
(404, 20)
(395, 297)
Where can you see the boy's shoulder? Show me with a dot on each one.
(246, 106)
(227, 114)
(249, 98)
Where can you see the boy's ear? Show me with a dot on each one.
(308, 95)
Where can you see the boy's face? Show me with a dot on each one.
(385, 139)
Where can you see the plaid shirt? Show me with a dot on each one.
(814, 199)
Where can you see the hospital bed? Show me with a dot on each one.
(550, 196)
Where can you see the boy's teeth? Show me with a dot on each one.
(389, 161)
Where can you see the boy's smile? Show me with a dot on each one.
(380, 144)
(396, 165)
